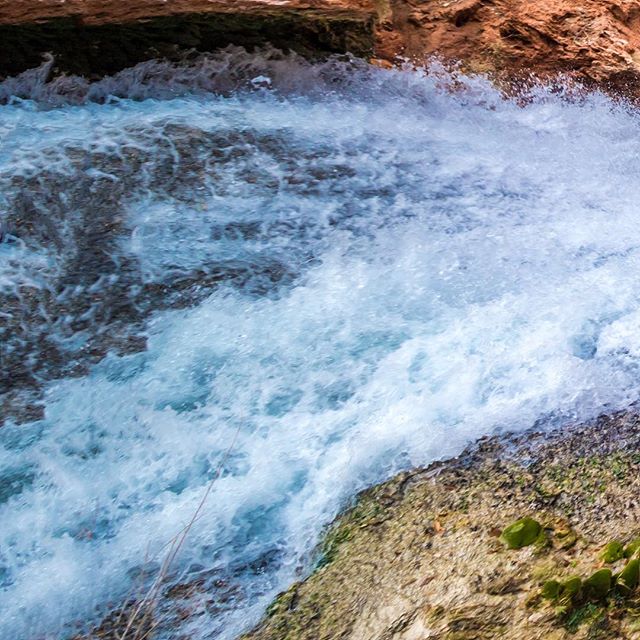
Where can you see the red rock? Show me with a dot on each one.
(592, 40)
(94, 12)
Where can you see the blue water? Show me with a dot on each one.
(418, 268)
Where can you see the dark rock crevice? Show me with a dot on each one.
(104, 49)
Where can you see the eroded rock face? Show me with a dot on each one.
(597, 41)
(594, 40)
(100, 37)
(96, 12)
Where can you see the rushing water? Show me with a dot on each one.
(337, 271)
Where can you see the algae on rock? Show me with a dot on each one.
(521, 533)
(433, 562)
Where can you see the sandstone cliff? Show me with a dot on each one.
(596, 41)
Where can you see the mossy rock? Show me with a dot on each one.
(612, 552)
(551, 590)
(283, 601)
(627, 580)
(332, 543)
(632, 548)
(521, 533)
(598, 585)
(571, 589)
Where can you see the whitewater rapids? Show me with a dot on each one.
(342, 271)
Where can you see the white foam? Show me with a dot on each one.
(474, 270)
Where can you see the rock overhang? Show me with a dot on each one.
(101, 37)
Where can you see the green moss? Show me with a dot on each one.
(332, 543)
(292, 616)
(618, 466)
(551, 590)
(368, 511)
(598, 585)
(521, 533)
(283, 602)
(612, 552)
(542, 543)
(571, 590)
(628, 579)
(632, 548)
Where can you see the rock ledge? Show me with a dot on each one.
(421, 556)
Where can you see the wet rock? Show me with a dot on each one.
(98, 37)
(95, 295)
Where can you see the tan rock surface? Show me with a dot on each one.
(421, 556)
(597, 40)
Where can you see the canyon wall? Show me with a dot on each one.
(98, 37)
(596, 41)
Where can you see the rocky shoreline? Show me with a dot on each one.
(421, 556)
(424, 555)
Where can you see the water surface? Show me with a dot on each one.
(338, 271)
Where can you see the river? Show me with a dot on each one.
(303, 278)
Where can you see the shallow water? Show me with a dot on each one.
(337, 271)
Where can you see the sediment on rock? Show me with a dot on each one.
(422, 555)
